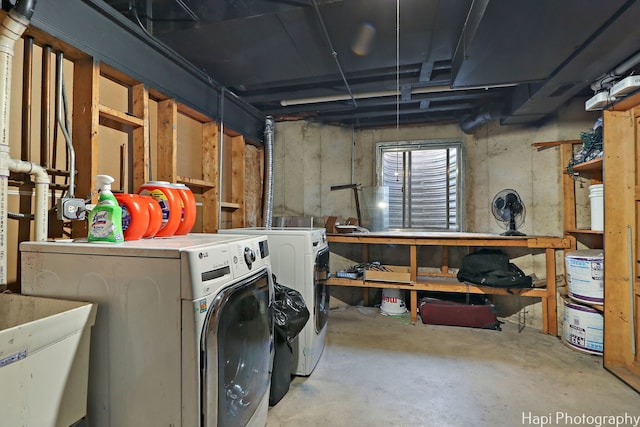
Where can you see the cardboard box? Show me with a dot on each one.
(396, 274)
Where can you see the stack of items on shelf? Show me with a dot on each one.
(591, 146)
(584, 324)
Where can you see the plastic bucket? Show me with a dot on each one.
(583, 328)
(596, 199)
(392, 302)
(585, 275)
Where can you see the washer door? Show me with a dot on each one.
(236, 353)
(321, 299)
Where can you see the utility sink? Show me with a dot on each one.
(44, 360)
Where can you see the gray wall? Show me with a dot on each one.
(309, 158)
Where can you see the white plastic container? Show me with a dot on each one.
(392, 302)
(44, 360)
(596, 200)
(583, 328)
(585, 275)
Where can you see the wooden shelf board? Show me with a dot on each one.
(593, 167)
(549, 144)
(119, 116)
(193, 182)
(584, 231)
(229, 205)
(439, 284)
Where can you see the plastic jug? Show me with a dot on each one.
(135, 215)
(188, 209)
(169, 199)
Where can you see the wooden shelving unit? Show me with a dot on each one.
(591, 170)
(621, 240)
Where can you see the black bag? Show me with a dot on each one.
(290, 314)
(491, 267)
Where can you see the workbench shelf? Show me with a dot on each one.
(445, 281)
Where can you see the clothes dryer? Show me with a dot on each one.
(183, 334)
(300, 260)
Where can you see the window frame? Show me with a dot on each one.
(423, 144)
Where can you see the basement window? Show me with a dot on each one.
(425, 183)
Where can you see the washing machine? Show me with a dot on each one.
(300, 260)
(183, 333)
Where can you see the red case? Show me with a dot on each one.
(438, 312)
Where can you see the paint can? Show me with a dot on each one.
(583, 328)
(392, 301)
(585, 275)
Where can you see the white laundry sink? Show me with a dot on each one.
(44, 360)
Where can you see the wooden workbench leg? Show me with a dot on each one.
(551, 315)
(414, 305)
(413, 262)
(365, 291)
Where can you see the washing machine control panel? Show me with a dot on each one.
(248, 256)
(209, 268)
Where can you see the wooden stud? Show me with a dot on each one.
(237, 180)
(210, 172)
(86, 119)
(166, 163)
(140, 153)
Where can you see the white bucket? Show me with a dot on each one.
(585, 275)
(392, 302)
(596, 199)
(583, 328)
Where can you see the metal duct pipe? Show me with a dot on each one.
(608, 79)
(11, 29)
(469, 124)
(267, 214)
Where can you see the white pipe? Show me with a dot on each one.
(384, 93)
(11, 29)
(42, 191)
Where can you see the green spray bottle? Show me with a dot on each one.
(105, 219)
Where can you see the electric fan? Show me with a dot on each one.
(509, 211)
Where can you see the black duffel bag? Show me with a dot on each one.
(491, 267)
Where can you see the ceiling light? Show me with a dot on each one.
(599, 101)
(625, 86)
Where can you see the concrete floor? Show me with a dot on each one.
(378, 370)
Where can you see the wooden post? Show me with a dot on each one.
(210, 173)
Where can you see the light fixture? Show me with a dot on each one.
(625, 86)
(599, 101)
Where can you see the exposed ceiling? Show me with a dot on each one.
(355, 63)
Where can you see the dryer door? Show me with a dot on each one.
(321, 303)
(236, 353)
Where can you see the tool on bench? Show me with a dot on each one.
(355, 194)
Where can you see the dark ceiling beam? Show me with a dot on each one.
(95, 28)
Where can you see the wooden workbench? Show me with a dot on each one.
(447, 282)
